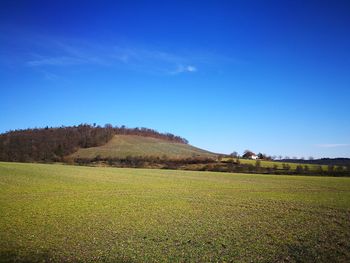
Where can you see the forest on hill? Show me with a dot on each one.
(52, 144)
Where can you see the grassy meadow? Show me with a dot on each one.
(279, 165)
(121, 146)
(68, 213)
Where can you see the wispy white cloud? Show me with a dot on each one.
(55, 61)
(191, 69)
(58, 53)
(129, 58)
(68, 52)
(154, 61)
(49, 75)
(333, 145)
(43, 51)
(184, 69)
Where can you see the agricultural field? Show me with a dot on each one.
(122, 146)
(52, 212)
(279, 165)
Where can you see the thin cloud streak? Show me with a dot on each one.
(129, 58)
(71, 52)
(154, 60)
(56, 61)
(184, 69)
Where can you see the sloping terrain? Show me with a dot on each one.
(132, 145)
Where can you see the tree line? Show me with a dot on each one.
(52, 144)
(209, 164)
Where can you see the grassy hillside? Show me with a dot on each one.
(84, 214)
(133, 145)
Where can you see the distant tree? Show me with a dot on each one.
(339, 169)
(250, 167)
(234, 154)
(330, 168)
(261, 156)
(286, 167)
(299, 169)
(220, 157)
(248, 154)
(311, 158)
(258, 165)
(319, 169)
(269, 158)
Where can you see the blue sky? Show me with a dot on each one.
(270, 76)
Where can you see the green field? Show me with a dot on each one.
(279, 165)
(87, 214)
(122, 146)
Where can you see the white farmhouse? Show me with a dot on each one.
(254, 157)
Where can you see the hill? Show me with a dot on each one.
(121, 146)
(55, 143)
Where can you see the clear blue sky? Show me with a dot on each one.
(269, 76)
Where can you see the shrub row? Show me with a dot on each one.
(209, 164)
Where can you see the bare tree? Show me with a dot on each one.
(234, 154)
